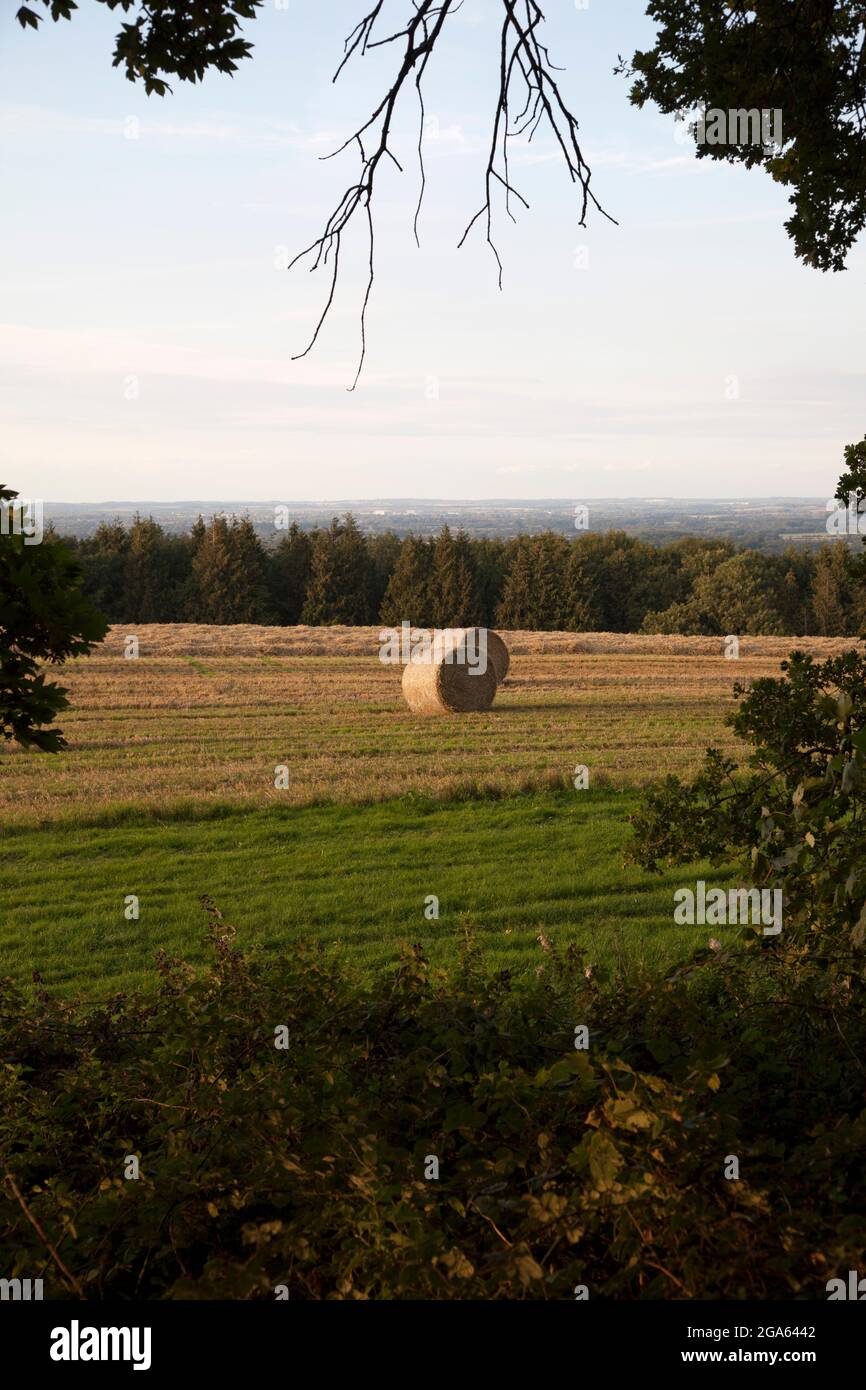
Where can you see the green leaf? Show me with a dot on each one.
(605, 1161)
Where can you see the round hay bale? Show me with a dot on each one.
(497, 653)
(447, 687)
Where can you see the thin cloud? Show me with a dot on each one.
(255, 132)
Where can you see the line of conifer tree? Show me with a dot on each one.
(222, 571)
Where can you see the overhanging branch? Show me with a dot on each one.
(526, 74)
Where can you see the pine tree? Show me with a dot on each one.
(516, 608)
(407, 597)
(831, 593)
(290, 567)
(229, 570)
(341, 577)
(103, 557)
(453, 589)
(320, 599)
(188, 600)
(384, 552)
(550, 556)
(211, 573)
(792, 607)
(249, 569)
(489, 560)
(147, 576)
(355, 574)
(580, 611)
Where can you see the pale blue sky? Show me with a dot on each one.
(150, 265)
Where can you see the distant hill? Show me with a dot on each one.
(767, 523)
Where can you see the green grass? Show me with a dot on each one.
(354, 877)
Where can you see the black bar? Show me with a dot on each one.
(244, 1338)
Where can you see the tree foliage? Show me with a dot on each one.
(44, 618)
(342, 577)
(793, 817)
(407, 597)
(739, 595)
(290, 574)
(596, 582)
(802, 57)
(230, 574)
(167, 38)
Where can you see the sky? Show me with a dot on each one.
(148, 322)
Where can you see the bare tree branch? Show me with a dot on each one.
(525, 73)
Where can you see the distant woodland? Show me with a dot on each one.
(222, 572)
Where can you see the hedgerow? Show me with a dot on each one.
(305, 1170)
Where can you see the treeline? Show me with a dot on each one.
(221, 572)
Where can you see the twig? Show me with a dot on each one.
(67, 1274)
(523, 58)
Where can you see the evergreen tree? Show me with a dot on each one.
(795, 590)
(548, 586)
(290, 566)
(384, 551)
(221, 573)
(579, 611)
(613, 562)
(515, 608)
(407, 597)
(229, 570)
(188, 598)
(250, 573)
(211, 574)
(550, 555)
(489, 558)
(791, 607)
(341, 577)
(454, 593)
(832, 599)
(103, 560)
(149, 573)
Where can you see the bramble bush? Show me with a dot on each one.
(304, 1166)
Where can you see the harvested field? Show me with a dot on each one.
(206, 714)
(200, 639)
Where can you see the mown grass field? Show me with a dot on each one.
(167, 792)
(355, 878)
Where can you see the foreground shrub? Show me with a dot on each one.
(794, 816)
(301, 1169)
